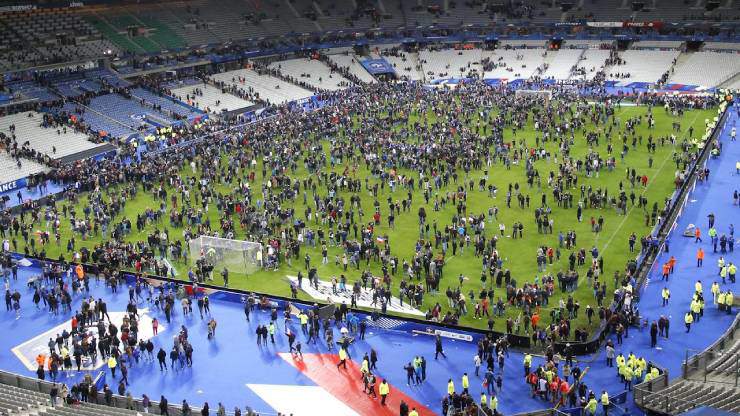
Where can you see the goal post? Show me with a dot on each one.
(540, 95)
(218, 253)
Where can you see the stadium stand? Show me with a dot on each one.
(265, 87)
(15, 400)
(48, 36)
(515, 63)
(560, 63)
(128, 112)
(643, 65)
(592, 61)
(709, 379)
(12, 169)
(95, 121)
(706, 68)
(406, 64)
(30, 90)
(164, 104)
(721, 46)
(311, 72)
(449, 63)
(209, 98)
(56, 143)
(351, 63)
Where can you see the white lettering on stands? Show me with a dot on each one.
(8, 186)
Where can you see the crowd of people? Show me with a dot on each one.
(367, 166)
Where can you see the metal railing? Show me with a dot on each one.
(659, 402)
(715, 364)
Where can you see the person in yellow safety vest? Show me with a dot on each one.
(715, 291)
(112, 364)
(465, 383)
(384, 389)
(304, 323)
(721, 296)
(450, 387)
(729, 300)
(697, 286)
(723, 274)
(483, 400)
(591, 406)
(666, 294)
(342, 359)
(494, 403)
(648, 377)
(271, 329)
(605, 402)
(413, 412)
(654, 372)
(695, 309)
(637, 373)
(527, 364)
(627, 377)
(720, 263)
(688, 319)
(732, 271)
(365, 367)
(548, 375)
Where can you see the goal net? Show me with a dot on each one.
(217, 253)
(538, 95)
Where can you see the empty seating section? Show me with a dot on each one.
(31, 90)
(721, 46)
(39, 26)
(561, 63)
(449, 63)
(99, 122)
(36, 37)
(10, 171)
(312, 72)
(121, 40)
(685, 395)
(514, 63)
(352, 63)
(592, 61)
(642, 65)
(273, 90)
(87, 409)
(706, 68)
(657, 44)
(50, 141)
(14, 400)
(209, 98)
(167, 104)
(155, 36)
(77, 87)
(128, 112)
(162, 34)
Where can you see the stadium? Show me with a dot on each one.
(369, 207)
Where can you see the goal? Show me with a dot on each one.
(218, 253)
(540, 95)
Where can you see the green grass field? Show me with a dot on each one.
(519, 254)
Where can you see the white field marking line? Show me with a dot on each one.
(657, 174)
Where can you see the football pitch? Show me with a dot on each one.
(463, 269)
